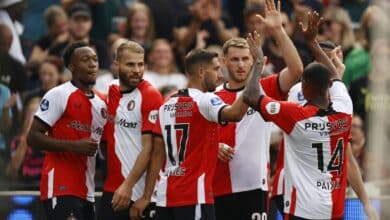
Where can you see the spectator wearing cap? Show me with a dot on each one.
(11, 14)
(80, 24)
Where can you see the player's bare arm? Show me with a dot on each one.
(310, 33)
(252, 90)
(122, 195)
(356, 182)
(37, 138)
(156, 162)
(273, 22)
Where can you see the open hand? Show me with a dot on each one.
(313, 22)
(273, 18)
(255, 41)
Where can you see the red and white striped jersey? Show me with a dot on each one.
(315, 153)
(250, 138)
(72, 116)
(130, 114)
(294, 95)
(188, 123)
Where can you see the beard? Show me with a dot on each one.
(88, 82)
(125, 81)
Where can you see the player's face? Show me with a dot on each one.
(85, 65)
(213, 75)
(130, 69)
(238, 62)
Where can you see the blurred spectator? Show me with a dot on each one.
(12, 72)
(49, 76)
(80, 25)
(337, 27)
(162, 68)
(355, 9)
(358, 141)
(103, 81)
(208, 16)
(140, 25)
(364, 102)
(5, 118)
(57, 25)
(24, 156)
(11, 14)
(253, 23)
(166, 14)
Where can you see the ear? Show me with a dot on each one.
(201, 71)
(116, 63)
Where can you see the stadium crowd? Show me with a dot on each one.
(39, 40)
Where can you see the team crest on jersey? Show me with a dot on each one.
(103, 111)
(153, 116)
(131, 105)
(44, 105)
(215, 101)
(273, 108)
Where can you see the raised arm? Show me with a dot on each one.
(273, 22)
(310, 34)
(252, 90)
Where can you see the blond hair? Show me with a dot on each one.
(131, 46)
(134, 8)
(237, 42)
(341, 16)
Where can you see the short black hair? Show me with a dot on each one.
(317, 74)
(69, 50)
(196, 57)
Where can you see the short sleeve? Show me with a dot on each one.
(157, 128)
(210, 107)
(283, 114)
(341, 101)
(150, 105)
(51, 108)
(271, 87)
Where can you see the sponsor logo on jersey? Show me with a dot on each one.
(183, 106)
(176, 171)
(44, 105)
(215, 101)
(153, 116)
(273, 108)
(127, 124)
(131, 105)
(336, 127)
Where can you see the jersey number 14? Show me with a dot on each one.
(336, 160)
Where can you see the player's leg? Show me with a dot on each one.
(253, 204)
(278, 202)
(107, 212)
(226, 207)
(89, 210)
(197, 212)
(65, 207)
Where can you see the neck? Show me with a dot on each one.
(74, 39)
(196, 85)
(124, 88)
(321, 102)
(235, 85)
(47, 87)
(87, 89)
(137, 39)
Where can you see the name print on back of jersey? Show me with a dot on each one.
(180, 110)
